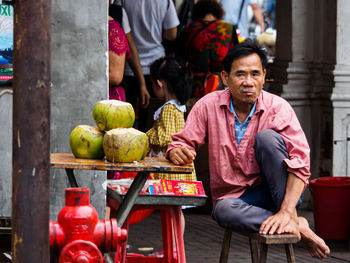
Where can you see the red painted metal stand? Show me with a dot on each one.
(171, 231)
(170, 212)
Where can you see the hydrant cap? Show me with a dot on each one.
(77, 196)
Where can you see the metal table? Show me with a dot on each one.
(155, 165)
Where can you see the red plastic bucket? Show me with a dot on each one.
(331, 196)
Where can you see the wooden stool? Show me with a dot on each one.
(259, 245)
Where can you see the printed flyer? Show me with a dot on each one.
(6, 41)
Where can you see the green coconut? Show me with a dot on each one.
(111, 114)
(86, 142)
(125, 145)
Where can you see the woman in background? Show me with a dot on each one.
(206, 40)
(118, 51)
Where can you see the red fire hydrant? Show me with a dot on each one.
(78, 236)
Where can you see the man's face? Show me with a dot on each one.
(245, 79)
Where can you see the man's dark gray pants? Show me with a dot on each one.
(246, 213)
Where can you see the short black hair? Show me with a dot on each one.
(177, 76)
(116, 12)
(204, 7)
(246, 48)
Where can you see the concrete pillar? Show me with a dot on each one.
(341, 93)
(79, 80)
(303, 72)
(323, 60)
(291, 68)
(6, 153)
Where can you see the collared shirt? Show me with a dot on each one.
(239, 126)
(176, 103)
(233, 168)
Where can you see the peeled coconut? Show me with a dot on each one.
(86, 142)
(125, 145)
(111, 114)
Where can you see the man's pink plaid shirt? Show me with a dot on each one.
(233, 168)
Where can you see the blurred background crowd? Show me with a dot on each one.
(199, 32)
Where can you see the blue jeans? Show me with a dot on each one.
(246, 213)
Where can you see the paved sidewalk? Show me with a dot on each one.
(203, 239)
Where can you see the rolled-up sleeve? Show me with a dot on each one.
(289, 128)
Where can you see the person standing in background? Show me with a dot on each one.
(204, 43)
(151, 22)
(118, 13)
(118, 51)
(270, 11)
(236, 13)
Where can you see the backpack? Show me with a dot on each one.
(175, 47)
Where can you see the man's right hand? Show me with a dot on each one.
(181, 155)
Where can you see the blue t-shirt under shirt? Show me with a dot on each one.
(240, 127)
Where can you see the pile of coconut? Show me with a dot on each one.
(113, 137)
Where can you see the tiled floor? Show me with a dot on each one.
(203, 239)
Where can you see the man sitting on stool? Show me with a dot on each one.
(259, 158)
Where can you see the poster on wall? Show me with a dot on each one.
(6, 42)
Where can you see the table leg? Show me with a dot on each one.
(130, 198)
(71, 178)
(178, 226)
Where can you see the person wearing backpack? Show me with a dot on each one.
(117, 12)
(205, 41)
